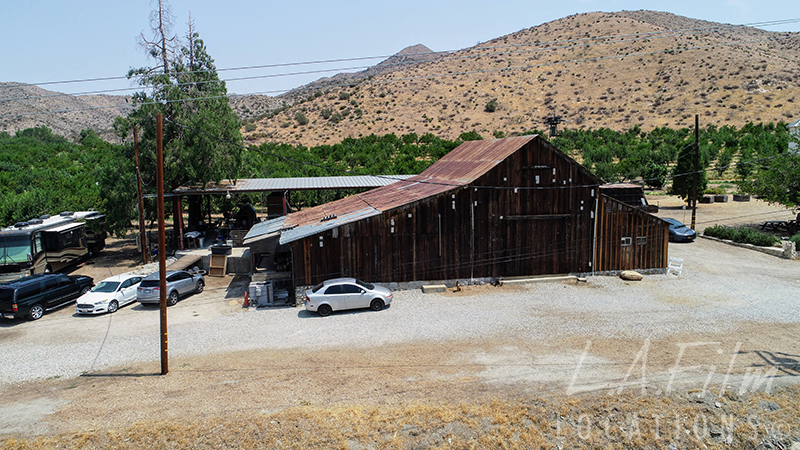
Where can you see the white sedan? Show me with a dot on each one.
(346, 293)
(109, 295)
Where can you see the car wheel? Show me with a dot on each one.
(86, 289)
(200, 286)
(376, 304)
(113, 307)
(324, 310)
(36, 312)
(173, 298)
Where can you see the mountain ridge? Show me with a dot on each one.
(616, 70)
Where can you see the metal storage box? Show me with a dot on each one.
(260, 293)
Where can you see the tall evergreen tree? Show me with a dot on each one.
(201, 136)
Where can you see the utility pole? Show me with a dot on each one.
(142, 232)
(696, 168)
(162, 246)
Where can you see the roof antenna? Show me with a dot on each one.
(554, 121)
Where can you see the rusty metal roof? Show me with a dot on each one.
(472, 159)
(461, 166)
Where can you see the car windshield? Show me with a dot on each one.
(106, 286)
(674, 223)
(365, 285)
(15, 249)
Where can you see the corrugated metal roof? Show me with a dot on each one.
(472, 159)
(293, 184)
(314, 228)
(461, 166)
(621, 185)
(264, 228)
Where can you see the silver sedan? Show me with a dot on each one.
(179, 283)
(346, 293)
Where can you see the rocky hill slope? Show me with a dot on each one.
(25, 106)
(595, 70)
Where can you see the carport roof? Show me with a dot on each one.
(291, 184)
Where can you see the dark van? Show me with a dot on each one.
(31, 296)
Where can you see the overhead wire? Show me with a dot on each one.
(454, 185)
(667, 33)
(647, 36)
(365, 58)
(388, 80)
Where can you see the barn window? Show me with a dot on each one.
(626, 241)
(641, 240)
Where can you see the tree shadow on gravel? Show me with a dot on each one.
(120, 375)
(786, 363)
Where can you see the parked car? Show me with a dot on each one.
(346, 293)
(679, 232)
(179, 283)
(31, 296)
(109, 295)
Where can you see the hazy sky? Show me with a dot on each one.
(45, 41)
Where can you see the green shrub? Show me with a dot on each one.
(286, 124)
(250, 127)
(344, 96)
(742, 235)
(715, 191)
(326, 113)
(491, 106)
(336, 117)
(301, 118)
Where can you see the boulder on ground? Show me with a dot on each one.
(631, 275)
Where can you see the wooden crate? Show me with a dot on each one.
(217, 266)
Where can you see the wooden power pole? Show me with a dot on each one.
(142, 231)
(696, 168)
(162, 246)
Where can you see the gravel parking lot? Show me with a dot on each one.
(720, 288)
(731, 310)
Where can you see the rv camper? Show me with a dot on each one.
(50, 243)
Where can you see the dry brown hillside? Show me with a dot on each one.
(611, 70)
(27, 106)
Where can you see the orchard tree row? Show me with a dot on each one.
(41, 173)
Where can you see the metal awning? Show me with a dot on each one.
(66, 227)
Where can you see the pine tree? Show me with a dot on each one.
(201, 133)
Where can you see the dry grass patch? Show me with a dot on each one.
(683, 420)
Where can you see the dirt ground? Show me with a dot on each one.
(427, 394)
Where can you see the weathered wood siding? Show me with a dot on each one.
(629, 238)
(489, 229)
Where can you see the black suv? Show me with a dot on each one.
(31, 296)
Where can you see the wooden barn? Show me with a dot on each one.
(488, 209)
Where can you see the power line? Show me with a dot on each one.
(390, 80)
(366, 58)
(639, 36)
(524, 188)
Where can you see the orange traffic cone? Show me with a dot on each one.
(246, 301)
